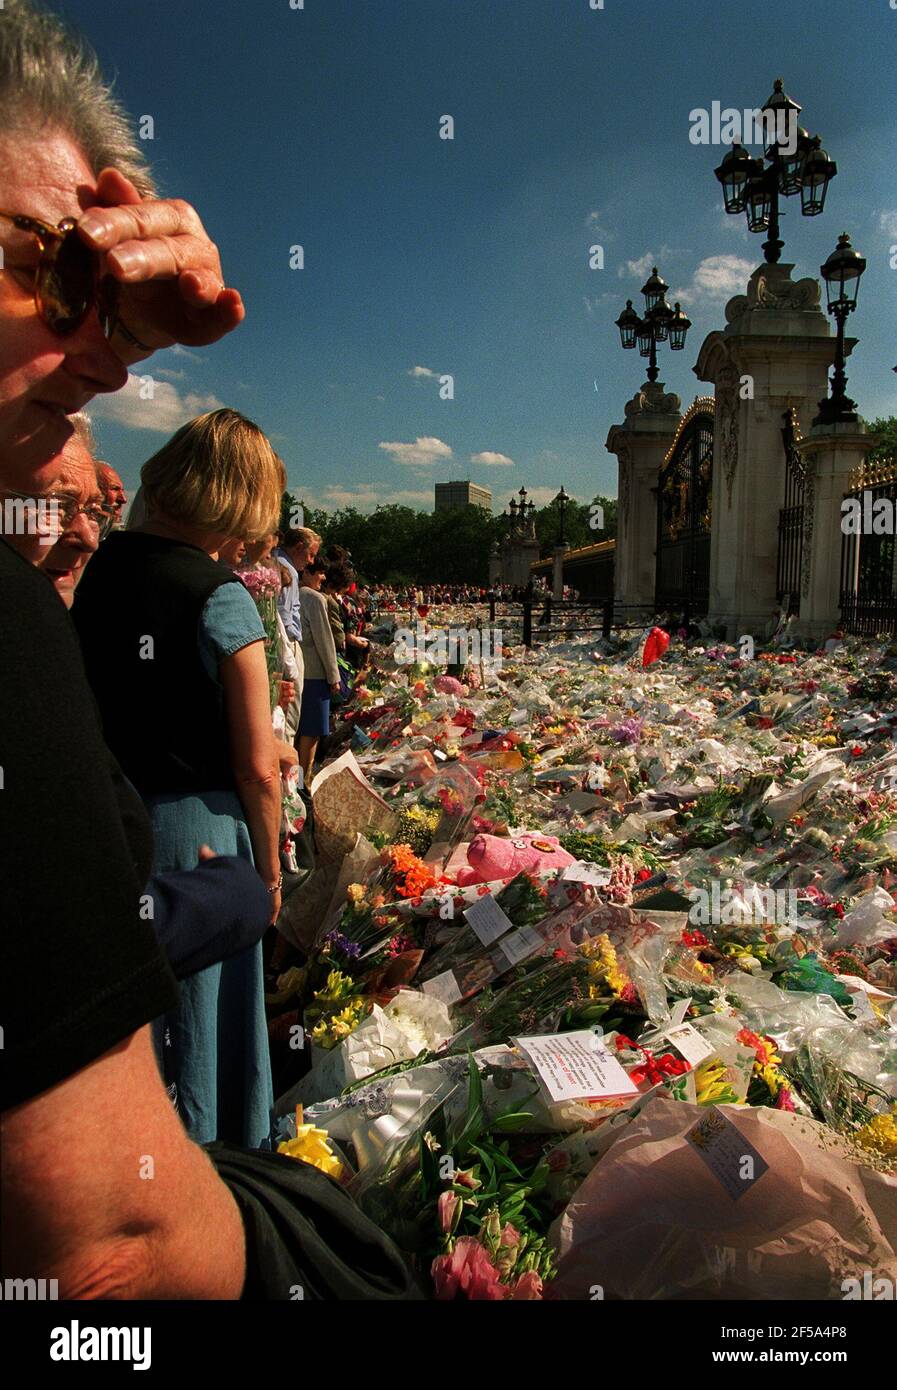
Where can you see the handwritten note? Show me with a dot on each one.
(576, 1066)
(487, 919)
(444, 987)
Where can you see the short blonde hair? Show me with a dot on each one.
(217, 473)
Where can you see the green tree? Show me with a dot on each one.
(578, 523)
(886, 427)
(456, 545)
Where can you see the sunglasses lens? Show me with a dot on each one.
(67, 283)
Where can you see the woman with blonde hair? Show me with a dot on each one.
(174, 650)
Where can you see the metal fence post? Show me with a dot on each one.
(528, 623)
(607, 618)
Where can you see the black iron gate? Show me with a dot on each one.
(791, 518)
(869, 551)
(683, 515)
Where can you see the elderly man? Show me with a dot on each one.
(113, 492)
(61, 525)
(298, 548)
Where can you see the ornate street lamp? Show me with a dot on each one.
(751, 187)
(562, 499)
(679, 325)
(660, 323)
(842, 273)
(628, 323)
(654, 290)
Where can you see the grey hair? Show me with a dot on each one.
(50, 78)
(84, 431)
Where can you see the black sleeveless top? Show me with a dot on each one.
(137, 611)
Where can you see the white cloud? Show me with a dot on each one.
(887, 222)
(595, 224)
(164, 410)
(366, 496)
(592, 303)
(169, 374)
(730, 223)
(638, 268)
(491, 459)
(422, 373)
(543, 495)
(425, 450)
(179, 350)
(716, 279)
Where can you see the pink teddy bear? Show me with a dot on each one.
(492, 857)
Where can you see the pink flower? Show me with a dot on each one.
(784, 1101)
(509, 1236)
(446, 1207)
(467, 1273)
(528, 1286)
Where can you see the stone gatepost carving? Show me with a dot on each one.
(640, 444)
(774, 353)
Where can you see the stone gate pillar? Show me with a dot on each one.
(640, 444)
(774, 352)
(832, 453)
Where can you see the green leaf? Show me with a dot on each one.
(514, 1119)
(473, 1119)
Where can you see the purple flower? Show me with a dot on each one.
(350, 949)
(628, 730)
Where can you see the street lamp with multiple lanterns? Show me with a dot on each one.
(660, 323)
(842, 273)
(521, 512)
(752, 188)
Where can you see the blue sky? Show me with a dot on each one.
(319, 127)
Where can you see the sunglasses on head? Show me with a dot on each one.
(67, 280)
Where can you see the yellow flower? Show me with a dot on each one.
(879, 1135)
(770, 1076)
(311, 1145)
(604, 967)
(712, 1085)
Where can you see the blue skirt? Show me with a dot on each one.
(314, 716)
(213, 1048)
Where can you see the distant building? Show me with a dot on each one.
(452, 495)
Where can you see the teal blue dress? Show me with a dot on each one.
(213, 1048)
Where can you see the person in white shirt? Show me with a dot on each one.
(321, 668)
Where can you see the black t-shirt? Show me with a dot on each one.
(81, 969)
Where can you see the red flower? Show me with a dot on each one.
(642, 875)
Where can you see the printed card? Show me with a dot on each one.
(576, 1066)
(517, 945)
(728, 1155)
(689, 1043)
(583, 872)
